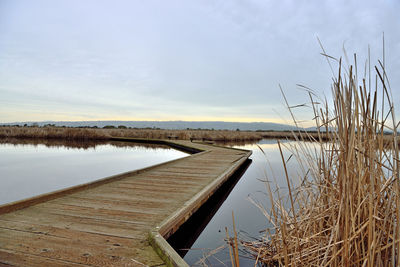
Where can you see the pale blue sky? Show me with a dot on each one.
(179, 60)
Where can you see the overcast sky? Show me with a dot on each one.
(180, 60)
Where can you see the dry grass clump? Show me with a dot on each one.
(346, 209)
(53, 133)
(204, 135)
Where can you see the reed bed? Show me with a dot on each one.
(221, 136)
(344, 210)
(103, 134)
(205, 135)
(53, 133)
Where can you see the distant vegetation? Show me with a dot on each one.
(50, 131)
(111, 131)
(167, 125)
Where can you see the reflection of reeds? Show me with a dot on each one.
(78, 143)
(346, 209)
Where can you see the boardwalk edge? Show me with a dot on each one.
(24, 203)
(158, 235)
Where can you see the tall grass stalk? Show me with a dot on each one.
(345, 209)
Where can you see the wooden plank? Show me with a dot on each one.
(161, 181)
(118, 249)
(146, 198)
(157, 187)
(150, 207)
(84, 224)
(139, 192)
(54, 247)
(67, 233)
(15, 258)
(97, 213)
(167, 175)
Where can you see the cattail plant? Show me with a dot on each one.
(345, 209)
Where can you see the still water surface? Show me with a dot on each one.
(28, 170)
(249, 220)
(31, 169)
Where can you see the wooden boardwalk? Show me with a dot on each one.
(107, 223)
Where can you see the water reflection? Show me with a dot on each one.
(250, 221)
(199, 220)
(51, 143)
(236, 143)
(30, 167)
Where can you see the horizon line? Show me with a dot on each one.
(107, 120)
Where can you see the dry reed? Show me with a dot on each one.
(344, 210)
(53, 133)
(103, 134)
(68, 133)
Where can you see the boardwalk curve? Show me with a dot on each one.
(121, 220)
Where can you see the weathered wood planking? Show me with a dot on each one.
(107, 223)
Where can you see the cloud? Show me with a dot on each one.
(156, 59)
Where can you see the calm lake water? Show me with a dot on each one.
(249, 219)
(28, 170)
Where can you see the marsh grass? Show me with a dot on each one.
(103, 134)
(224, 137)
(62, 133)
(344, 208)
